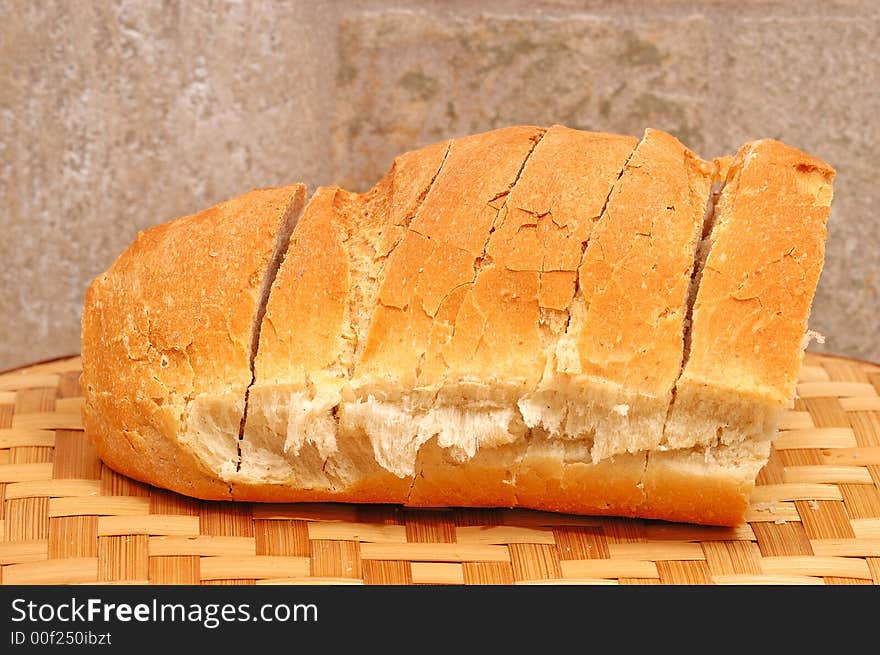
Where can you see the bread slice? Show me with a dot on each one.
(534, 317)
(618, 360)
(750, 314)
(168, 336)
(389, 333)
(326, 288)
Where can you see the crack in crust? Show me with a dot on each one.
(282, 241)
(578, 292)
(701, 256)
(385, 257)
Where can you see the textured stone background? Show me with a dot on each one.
(118, 115)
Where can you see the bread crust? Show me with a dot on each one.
(430, 271)
(672, 486)
(435, 340)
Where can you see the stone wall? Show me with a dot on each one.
(115, 116)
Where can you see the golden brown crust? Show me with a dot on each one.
(678, 488)
(440, 251)
(542, 226)
(546, 475)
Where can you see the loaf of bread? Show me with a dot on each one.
(530, 317)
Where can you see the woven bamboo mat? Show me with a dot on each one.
(65, 518)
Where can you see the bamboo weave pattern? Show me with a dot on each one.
(66, 518)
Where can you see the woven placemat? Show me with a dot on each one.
(66, 518)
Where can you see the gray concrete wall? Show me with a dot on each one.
(115, 116)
